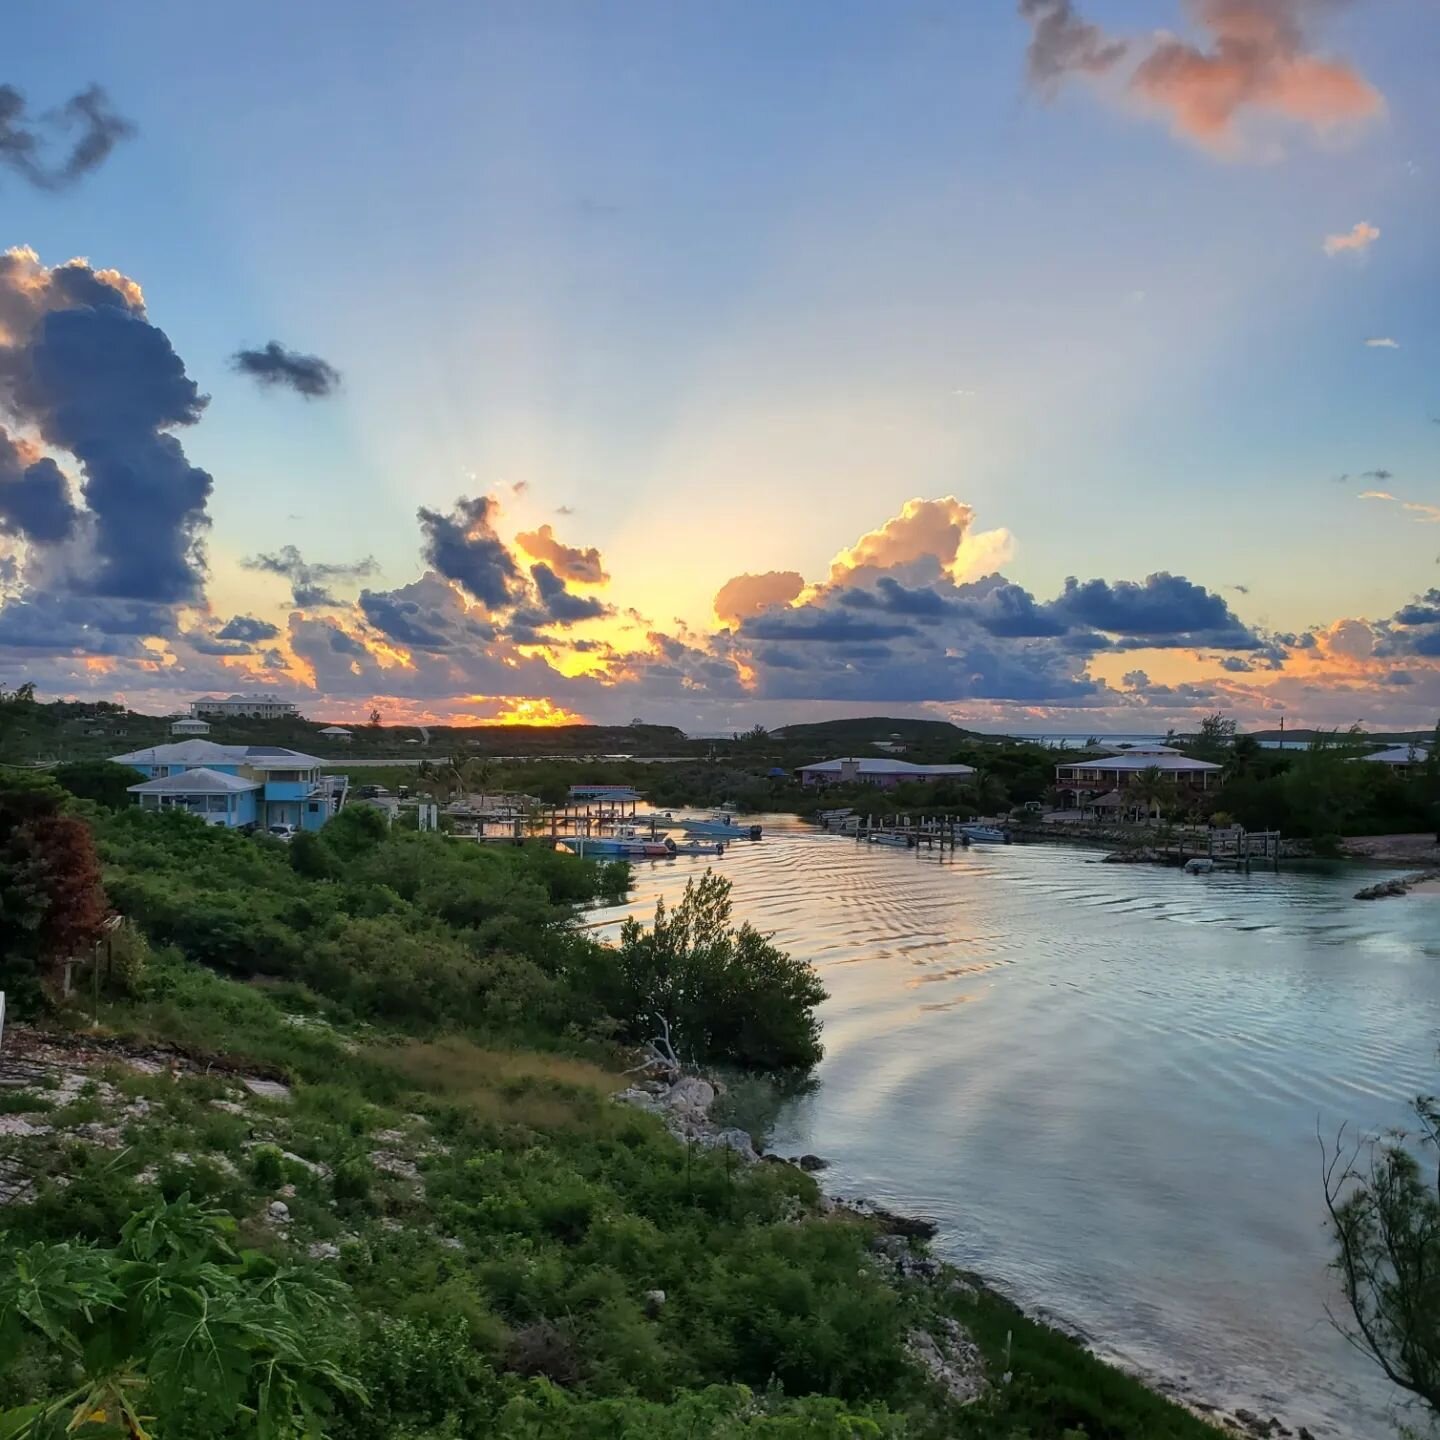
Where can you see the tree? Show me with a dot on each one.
(1244, 758)
(102, 781)
(1385, 1218)
(716, 992)
(1217, 734)
(375, 718)
(52, 905)
(355, 831)
(311, 857)
(1149, 789)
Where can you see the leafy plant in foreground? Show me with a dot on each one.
(174, 1333)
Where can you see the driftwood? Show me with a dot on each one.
(658, 1053)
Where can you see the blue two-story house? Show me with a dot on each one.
(236, 785)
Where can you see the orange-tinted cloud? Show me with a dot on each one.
(746, 595)
(934, 530)
(1358, 238)
(1255, 60)
(581, 567)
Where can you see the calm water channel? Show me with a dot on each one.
(1104, 1082)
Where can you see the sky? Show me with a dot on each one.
(1041, 365)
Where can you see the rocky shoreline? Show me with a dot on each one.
(1402, 885)
(901, 1247)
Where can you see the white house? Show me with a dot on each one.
(190, 727)
(1400, 758)
(339, 734)
(248, 707)
(882, 772)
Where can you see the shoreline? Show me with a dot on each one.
(903, 1246)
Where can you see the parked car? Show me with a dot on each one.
(282, 832)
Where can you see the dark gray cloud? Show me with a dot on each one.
(306, 375)
(95, 378)
(310, 582)
(81, 624)
(464, 547)
(1164, 610)
(560, 605)
(248, 629)
(35, 498)
(427, 615)
(1061, 43)
(63, 146)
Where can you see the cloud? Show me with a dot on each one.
(96, 129)
(1382, 342)
(559, 604)
(1165, 609)
(80, 363)
(35, 501)
(926, 537)
(745, 595)
(310, 583)
(1063, 44)
(248, 629)
(464, 547)
(306, 375)
(1357, 239)
(1421, 513)
(581, 567)
(1255, 61)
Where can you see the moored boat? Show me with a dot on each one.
(985, 834)
(721, 823)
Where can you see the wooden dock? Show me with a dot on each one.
(914, 832)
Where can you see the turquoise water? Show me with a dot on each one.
(1104, 1082)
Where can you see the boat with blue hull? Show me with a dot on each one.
(722, 824)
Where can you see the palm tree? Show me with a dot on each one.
(1149, 790)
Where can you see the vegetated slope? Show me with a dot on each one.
(380, 1226)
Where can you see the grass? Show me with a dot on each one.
(543, 1214)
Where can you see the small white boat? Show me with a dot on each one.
(984, 834)
(1200, 865)
(896, 840)
(722, 823)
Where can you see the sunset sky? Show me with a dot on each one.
(1037, 365)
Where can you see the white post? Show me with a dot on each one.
(2, 1019)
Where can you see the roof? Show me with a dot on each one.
(335, 730)
(199, 781)
(1111, 800)
(208, 752)
(242, 700)
(1143, 750)
(876, 765)
(1132, 761)
(1399, 755)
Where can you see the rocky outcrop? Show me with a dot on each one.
(685, 1108)
(951, 1359)
(1403, 885)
